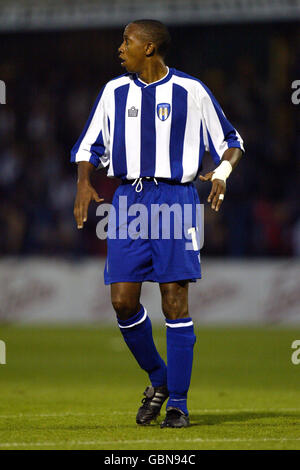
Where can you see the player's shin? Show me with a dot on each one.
(137, 333)
(180, 345)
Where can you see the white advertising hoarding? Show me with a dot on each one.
(36, 290)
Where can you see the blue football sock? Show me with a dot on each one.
(180, 345)
(137, 333)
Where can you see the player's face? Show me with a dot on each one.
(133, 48)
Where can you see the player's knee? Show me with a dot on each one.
(174, 307)
(125, 308)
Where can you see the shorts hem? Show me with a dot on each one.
(182, 277)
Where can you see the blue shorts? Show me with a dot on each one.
(142, 245)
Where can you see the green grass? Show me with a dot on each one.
(79, 388)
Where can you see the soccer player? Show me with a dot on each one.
(151, 127)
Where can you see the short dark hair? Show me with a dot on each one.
(158, 33)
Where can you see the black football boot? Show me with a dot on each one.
(152, 403)
(175, 418)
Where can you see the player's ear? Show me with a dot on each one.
(150, 49)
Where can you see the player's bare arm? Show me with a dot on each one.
(218, 188)
(85, 193)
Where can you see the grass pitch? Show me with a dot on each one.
(79, 388)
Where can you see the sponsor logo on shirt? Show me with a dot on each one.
(133, 112)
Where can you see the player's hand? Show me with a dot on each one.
(85, 194)
(218, 187)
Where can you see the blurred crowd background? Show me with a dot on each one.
(52, 80)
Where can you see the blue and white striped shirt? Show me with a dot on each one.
(160, 129)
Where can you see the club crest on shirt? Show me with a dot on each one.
(163, 111)
(132, 112)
